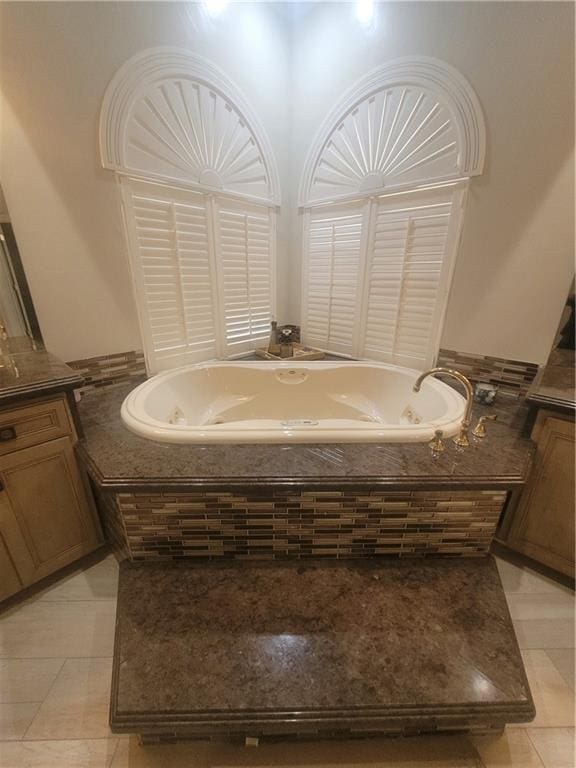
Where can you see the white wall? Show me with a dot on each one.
(4, 215)
(56, 59)
(517, 257)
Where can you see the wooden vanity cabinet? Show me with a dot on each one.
(47, 519)
(541, 526)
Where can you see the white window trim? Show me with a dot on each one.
(429, 74)
(460, 193)
(135, 86)
(142, 72)
(346, 165)
(222, 349)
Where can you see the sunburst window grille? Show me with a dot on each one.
(200, 193)
(382, 195)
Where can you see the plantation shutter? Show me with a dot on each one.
(169, 239)
(377, 274)
(245, 235)
(407, 276)
(332, 265)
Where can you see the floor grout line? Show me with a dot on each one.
(535, 747)
(44, 699)
(50, 658)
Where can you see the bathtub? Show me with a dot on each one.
(314, 402)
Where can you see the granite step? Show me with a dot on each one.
(336, 648)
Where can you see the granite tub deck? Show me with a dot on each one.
(121, 460)
(162, 501)
(341, 648)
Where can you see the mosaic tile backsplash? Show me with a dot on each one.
(266, 523)
(511, 376)
(108, 370)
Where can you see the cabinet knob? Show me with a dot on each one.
(7, 433)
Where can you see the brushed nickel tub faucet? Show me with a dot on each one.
(462, 439)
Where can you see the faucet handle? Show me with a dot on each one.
(437, 444)
(480, 428)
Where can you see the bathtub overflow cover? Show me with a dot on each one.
(300, 423)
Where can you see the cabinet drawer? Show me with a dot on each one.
(33, 424)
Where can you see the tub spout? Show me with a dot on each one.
(462, 438)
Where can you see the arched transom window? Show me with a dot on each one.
(199, 189)
(383, 193)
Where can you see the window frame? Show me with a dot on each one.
(156, 114)
(155, 360)
(369, 204)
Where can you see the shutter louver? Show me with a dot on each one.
(377, 274)
(406, 274)
(245, 235)
(333, 251)
(171, 264)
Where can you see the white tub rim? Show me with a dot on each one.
(235, 433)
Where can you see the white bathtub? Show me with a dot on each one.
(315, 402)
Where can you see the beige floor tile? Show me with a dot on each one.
(524, 607)
(421, 752)
(563, 660)
(513, 749)
(27, 679)
(78, 702)
(15, 719)
(55, 630)
(97, 582)
(543, 633)
(556, 746)
(524, 580)
(553, 698)
(85, 753)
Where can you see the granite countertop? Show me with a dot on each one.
(557, 384)
(121, 460)
(259, 648)
(29, 370)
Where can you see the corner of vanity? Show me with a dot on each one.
(48, 519)
(540, 521)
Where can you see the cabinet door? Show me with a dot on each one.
(543, 526)
(10, 582)
(44, 512)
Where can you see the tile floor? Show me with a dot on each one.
(56, 657)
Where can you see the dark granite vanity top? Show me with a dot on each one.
(28, 370)
(556, 387)
(367, 645)
(119, 459)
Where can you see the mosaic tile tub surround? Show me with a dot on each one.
(107, 370)
(511, 376)
(280, 523)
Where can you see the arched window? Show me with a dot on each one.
(200, 190)
(383, 192)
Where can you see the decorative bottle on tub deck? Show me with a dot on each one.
(285, 342)
(273, 346)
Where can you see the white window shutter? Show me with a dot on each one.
(333, 257)
(170, 255)
(245, 256)
(377, 274)
(409, 265)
